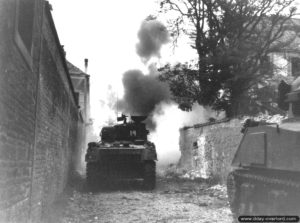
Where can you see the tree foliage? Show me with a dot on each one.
(233, 39)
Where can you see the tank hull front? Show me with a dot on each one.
(116, 164)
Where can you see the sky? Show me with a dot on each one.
(102, 31)
(105, 32)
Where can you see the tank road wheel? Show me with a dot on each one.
(91, 175)
(149, 175)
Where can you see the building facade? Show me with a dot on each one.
(81, 84)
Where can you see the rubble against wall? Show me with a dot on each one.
(207, 150)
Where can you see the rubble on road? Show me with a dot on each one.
(219, 191)
(173, 172)
(193, 175)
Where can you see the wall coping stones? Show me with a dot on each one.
(205, 124)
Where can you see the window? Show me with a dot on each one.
(295, 62)
(24, 27)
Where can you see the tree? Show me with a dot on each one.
(232, 39)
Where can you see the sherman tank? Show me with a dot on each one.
(266, 175)
(123, 152)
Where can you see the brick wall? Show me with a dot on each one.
(209, 149)
(39, 119)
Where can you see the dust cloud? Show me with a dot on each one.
(169, 119)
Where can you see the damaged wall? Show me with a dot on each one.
(207, 149)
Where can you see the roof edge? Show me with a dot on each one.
(48, 9)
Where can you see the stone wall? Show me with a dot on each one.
(39, 119)
(208, 149)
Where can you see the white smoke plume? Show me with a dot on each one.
(169, 119)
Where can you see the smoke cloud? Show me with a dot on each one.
(145, 95)
(142, 93)
(152, 35)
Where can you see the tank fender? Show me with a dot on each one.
(92, 154)
(149, 154)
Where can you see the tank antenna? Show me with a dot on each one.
(117, 106)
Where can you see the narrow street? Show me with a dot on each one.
(172, 201)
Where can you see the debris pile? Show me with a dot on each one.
(218, 190)
(172, 171)
(193, 175)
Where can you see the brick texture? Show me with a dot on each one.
(39, 120)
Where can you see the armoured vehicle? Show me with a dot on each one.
(266, 175)
(122, 153)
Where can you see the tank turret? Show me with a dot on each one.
(123, 152)
(134, 131)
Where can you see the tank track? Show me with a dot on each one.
(149, 175)
(280, 192)
(268, 179)
(91, 175)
